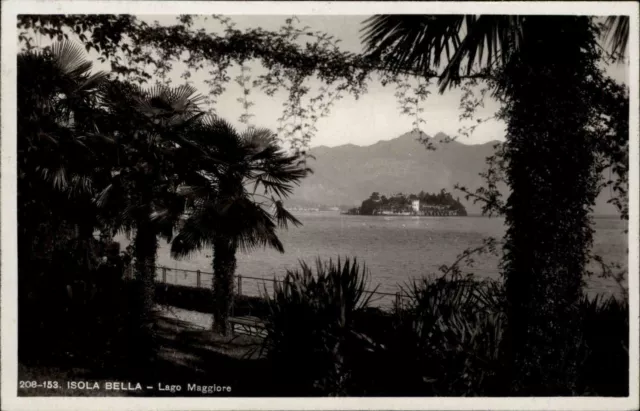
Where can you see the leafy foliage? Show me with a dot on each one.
(450, 337)
(290, 56)
(310, 327)
(458, 325)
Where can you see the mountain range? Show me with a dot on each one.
(346, 175)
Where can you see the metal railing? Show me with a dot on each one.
(255, 286)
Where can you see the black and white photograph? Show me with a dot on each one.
(343, 205)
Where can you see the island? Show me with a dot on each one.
(421, 204)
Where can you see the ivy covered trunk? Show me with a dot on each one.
(142, 315)
(550, 169)
(224, 268)
(145, 249)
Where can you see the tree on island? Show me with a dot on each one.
(399, 203)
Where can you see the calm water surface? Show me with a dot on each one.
(395, 249)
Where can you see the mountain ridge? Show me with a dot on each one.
(325, 147)
(345, 175)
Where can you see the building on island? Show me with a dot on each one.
(415, 206)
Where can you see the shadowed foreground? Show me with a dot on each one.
(188, 354)
(447, 342)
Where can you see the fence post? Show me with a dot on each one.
(164, 274)
(198, 278)
(239, 285)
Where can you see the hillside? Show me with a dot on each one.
(346, 174)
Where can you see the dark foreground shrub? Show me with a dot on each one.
(94, 320)
(449, 341)
(445, 341)
(311, 339)
(604, 370)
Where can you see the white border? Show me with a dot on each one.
(11, 8)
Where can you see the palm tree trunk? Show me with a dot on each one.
(550, 171)
(142, 337)
(145, 250)
(224, 268)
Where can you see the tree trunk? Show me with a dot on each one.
(550, 161)
(142, 309)
(224, 268)
(145, 250)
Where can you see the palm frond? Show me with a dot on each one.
(80, 184)
(120, 96)
(258, 138)
(258, 230)
(204, 191)
(277, 173)
(70, 58)
(104, 196)
(272, 185)
(617, 34)
(422, 43)
(194, 236)
(221, 133)
(500, 35)
(414, 42)
(168, 206)
(93, 81)
(284, 217)
(59, 179)
(172, 104)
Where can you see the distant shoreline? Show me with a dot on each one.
(407, 215)
(598, 216)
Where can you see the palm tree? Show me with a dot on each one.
(142, 196)
(58, 143)
(235, 201)
(544, 71)
(62, 157)
(62, 154)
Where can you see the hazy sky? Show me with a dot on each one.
(375, 116)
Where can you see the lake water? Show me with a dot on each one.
(395, 249)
